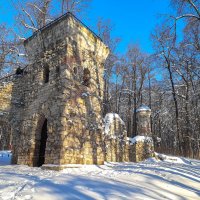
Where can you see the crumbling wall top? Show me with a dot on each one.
(64, 30)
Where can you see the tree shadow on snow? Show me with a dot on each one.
(67, 186)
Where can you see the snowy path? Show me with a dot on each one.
(146, 180)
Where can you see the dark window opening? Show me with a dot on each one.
(19, 71)
(46, 74)
(75, 70)
(42, 148)
(57, 71)
(86, 77)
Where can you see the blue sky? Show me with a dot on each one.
(133, 20)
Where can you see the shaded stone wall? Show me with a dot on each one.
(5, 134)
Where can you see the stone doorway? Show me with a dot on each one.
(42, 143)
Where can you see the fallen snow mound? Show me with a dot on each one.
(140, 138)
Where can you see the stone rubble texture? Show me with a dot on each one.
(145, 149)
(72, 108)
(5, 106)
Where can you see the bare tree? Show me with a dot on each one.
(74, 6)
(104, 30)
(8, 54)
(187, 8)
(164, 44)
(180, 61)
(137, 73)
(32, 14)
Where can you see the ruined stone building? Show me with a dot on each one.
(54, 114)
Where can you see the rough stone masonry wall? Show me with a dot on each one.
(144, 149)
(82, 117)
(119, 148)
(5, 105)
(5, 96)
(72, 110)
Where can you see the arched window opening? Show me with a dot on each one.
(46, 74)
(57, 71)
(86, 77)
(75, 70)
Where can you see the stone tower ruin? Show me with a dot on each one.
(144, 120)
(57, 100)
(143, 142)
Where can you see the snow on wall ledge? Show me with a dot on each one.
(140, 138)
(143, 108)
(109, 119)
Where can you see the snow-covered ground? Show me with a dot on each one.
(174, 178)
